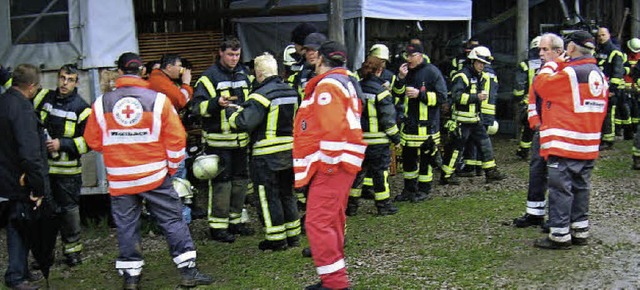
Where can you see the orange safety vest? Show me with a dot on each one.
(140, 135)
(327, 131)
(574, 107)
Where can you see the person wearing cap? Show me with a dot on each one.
(424, 90)
(311, 44)
(551, 49)
(631, 57)
(328, 150)
(523, 78)
(295, 58)
(611, 62)
(226, 82)
(575, 98)
(142, 140)
(64, 114)
(379, 126)
(470, 87)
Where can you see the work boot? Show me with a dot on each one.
(548, 244)
(306, 252)
(421, 196)
(221, 235)
(386, 207)
(523, 153)
(405, 196)
(494, 175)
(451, 180)
(273, 245)
(192, 277)
(131, 282)
(25, 285)
(528, 220)
(606, 145)
(352, 206)
(636, 162)
(73, 259)
(293, 242)
(467, 171)
(241, 229)
(318, 286)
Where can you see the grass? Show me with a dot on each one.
(452, 241)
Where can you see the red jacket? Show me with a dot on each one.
(140, 135)
(574, 107)
(179, 95)
(327, 132)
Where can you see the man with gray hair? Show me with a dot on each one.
(551, 47)
(267, 115)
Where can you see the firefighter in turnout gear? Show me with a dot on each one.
(524, 77)
(611, 62)
(268, 116)
(424, 90)
(632, 56)
(225, 82)
(64, 114)
(5, 79)
(468, 91)
(379, 127)
(634, 46)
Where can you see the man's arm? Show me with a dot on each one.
(30, 149)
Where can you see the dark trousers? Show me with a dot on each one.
(228, 190)
(66, 193)
(17, 248)
(278, 208)
(165, 206)
(375, 165)
(476, 134)
(537, 179)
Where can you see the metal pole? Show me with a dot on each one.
(522, 41)
(635, 17)
(336, 25)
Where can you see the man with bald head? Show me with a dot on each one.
(611, 62)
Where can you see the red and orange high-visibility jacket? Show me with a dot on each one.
(139, 133)
(327, 132)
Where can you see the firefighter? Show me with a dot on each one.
(575, 98)
(328, 150)
(64, 114)
(5, 79)
(632, 56)
(457, 63)
(310, 47)
(551, 47)
(379, 127)
(468, 91)
(425, 90)
(611, 62)
(634, 46)
(225, 82)
(268, 116)
(298, 35)
(142, 140)
(524, 77)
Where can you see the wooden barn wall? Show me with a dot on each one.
(169, 16)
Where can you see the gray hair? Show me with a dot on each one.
(584, 50)
(556, 41)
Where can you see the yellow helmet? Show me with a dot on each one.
(206, 167)
(634, 44)
(182, 187)
(380, 51)
(481, 53)
(535, 42)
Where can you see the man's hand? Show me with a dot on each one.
(186, 76)
(412, 92)
(223, 102)
(53, 145)
(36, 199)
(403, 70)
(483, 95)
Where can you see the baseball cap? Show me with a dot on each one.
(129, 61)
(413, 48)
(582, 38)
(314, 40)
(301, 31)
(333, 50)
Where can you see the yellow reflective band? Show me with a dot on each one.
(206, 82)
(39, 97)
(69, 129)
(431, 99)
(368, 181)
(72, 248)
(65, 170)
(85, 113)
(203, 109)
(392, 131)
(518, 93)
(614, 54)
(464, 99)
(232, 119)
(488, 109)
(385, 194)
(264, 205)
(489, 164)
(260, 99)
(272, 124)
(400, 90)
(463, 76)
(383, 95)
(273, 141)
(81, 145)
(272, 149)
(43, 115)
(355, 192)
(8, 84)
(410, 174)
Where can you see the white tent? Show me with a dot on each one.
(273, 33)
(98, 32)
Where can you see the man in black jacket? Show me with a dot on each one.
(22, 162)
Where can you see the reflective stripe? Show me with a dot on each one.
(319, 156)
(186, 256)
(284, 101)
(65, 171)
(328, 269)
(203, 109)
(158, 176)
(590, 106)
(176, 154)
(60, 113)
(580, 225)
(229, 84)
(39, 97)
(534, 204)
(272, 149)
(129, 264)
(410, 174)
(85, 113)
(535, 211)
(81, 145)
(173, 164)
(260, 99)
(570, 134)
(431, 99)
(336, 146)
(130, 170)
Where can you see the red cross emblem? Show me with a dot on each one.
(128, 111)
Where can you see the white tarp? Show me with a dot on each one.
(99, 32)
(273, 33)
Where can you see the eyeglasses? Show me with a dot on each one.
(64, 79)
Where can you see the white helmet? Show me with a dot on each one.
(535, 43)
(182, 187)
(287, 55)
(481, 53)
(493, 129)
(206, 167)
(634, 44)
(380, 51)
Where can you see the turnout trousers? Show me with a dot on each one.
(228, 190)
(325, 224)
(165, 206)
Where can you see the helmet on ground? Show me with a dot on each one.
(634, 44)
(206, 167)
(182, 187)
(481, 53)
(287, 55)
(535, 42)
(380, 51)
(493, 129)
